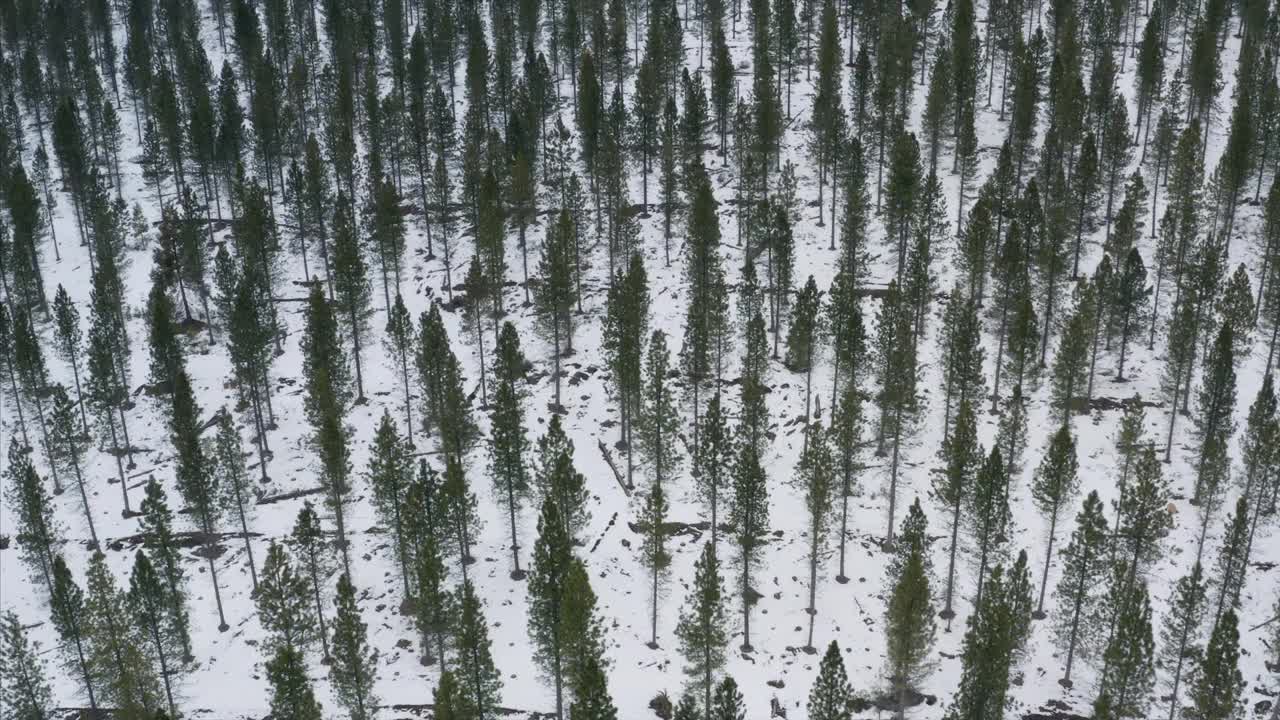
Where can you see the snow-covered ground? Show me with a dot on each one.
(228, 682)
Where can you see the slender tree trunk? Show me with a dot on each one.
(893, 473)
(124, 484)
(947, 612)
(314, 567)
(84, 500)
(1048, 559)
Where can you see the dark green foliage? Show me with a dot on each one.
(552, 554)
(354, 662)
(458, 510)
(1084, 565)
(556, 477)
(653, 548)
(556, 291)
(390, 475)
(351, 295)
(125, 675)
(157, 526)
(284, 602)
(1129, 672)
(147, 601)
(993, 644)
(702, 630)
(581, 627)
(749, 517)
(1055, 486)
(66, 606)
(829, 698)
(659, 421)
(307, 540)
(479, 679)
(26, 695)
(36, 531)
(909, 615)
(1217, 691)
(292, 695)
(625, 329)
(234, 481)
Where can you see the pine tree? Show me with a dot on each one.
(898, 373)
(659, 420)
(351, 293)
(1084, 565)
(167, 356)
(1142, 516)
(1217, 690)
(476, 672)
(1055, 485)
(284, 606)
(706, 326)
(509, 445)
(962, 455)
(431, 602)
(27, 695)
(292, 695)
(233, 478)
(963, 352)
(33, 379)
(458, 509)
(625, 327)
(558, 478)
(1084, 191)
(653, 550)
(68, 343)
(581, 627)
(1129, 673)
(988, 513)
(556, 290)
(37, 532)
(829, 698)
(552, 553)
(445, 406)
(1071, 364)
(66, 606)
(147, 604)
(594, 701)
(804, 335)
(1233, 560)
(1235, 307)
(1009, 276)
(390, 474)
(1180, 632)
(815, 471)
(993, 644)
(702, 631)
(780, 247)
(400, 340)
(749, 517)
(354, 663)
(197, 483)
(1216, 402)
(125, 675)
(1128, 302)
(902, 190)
(307, 540)
(68, 449)
(909, 619)
(712, 461)
(1257, 447)
(846, 429)
(157, 527)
